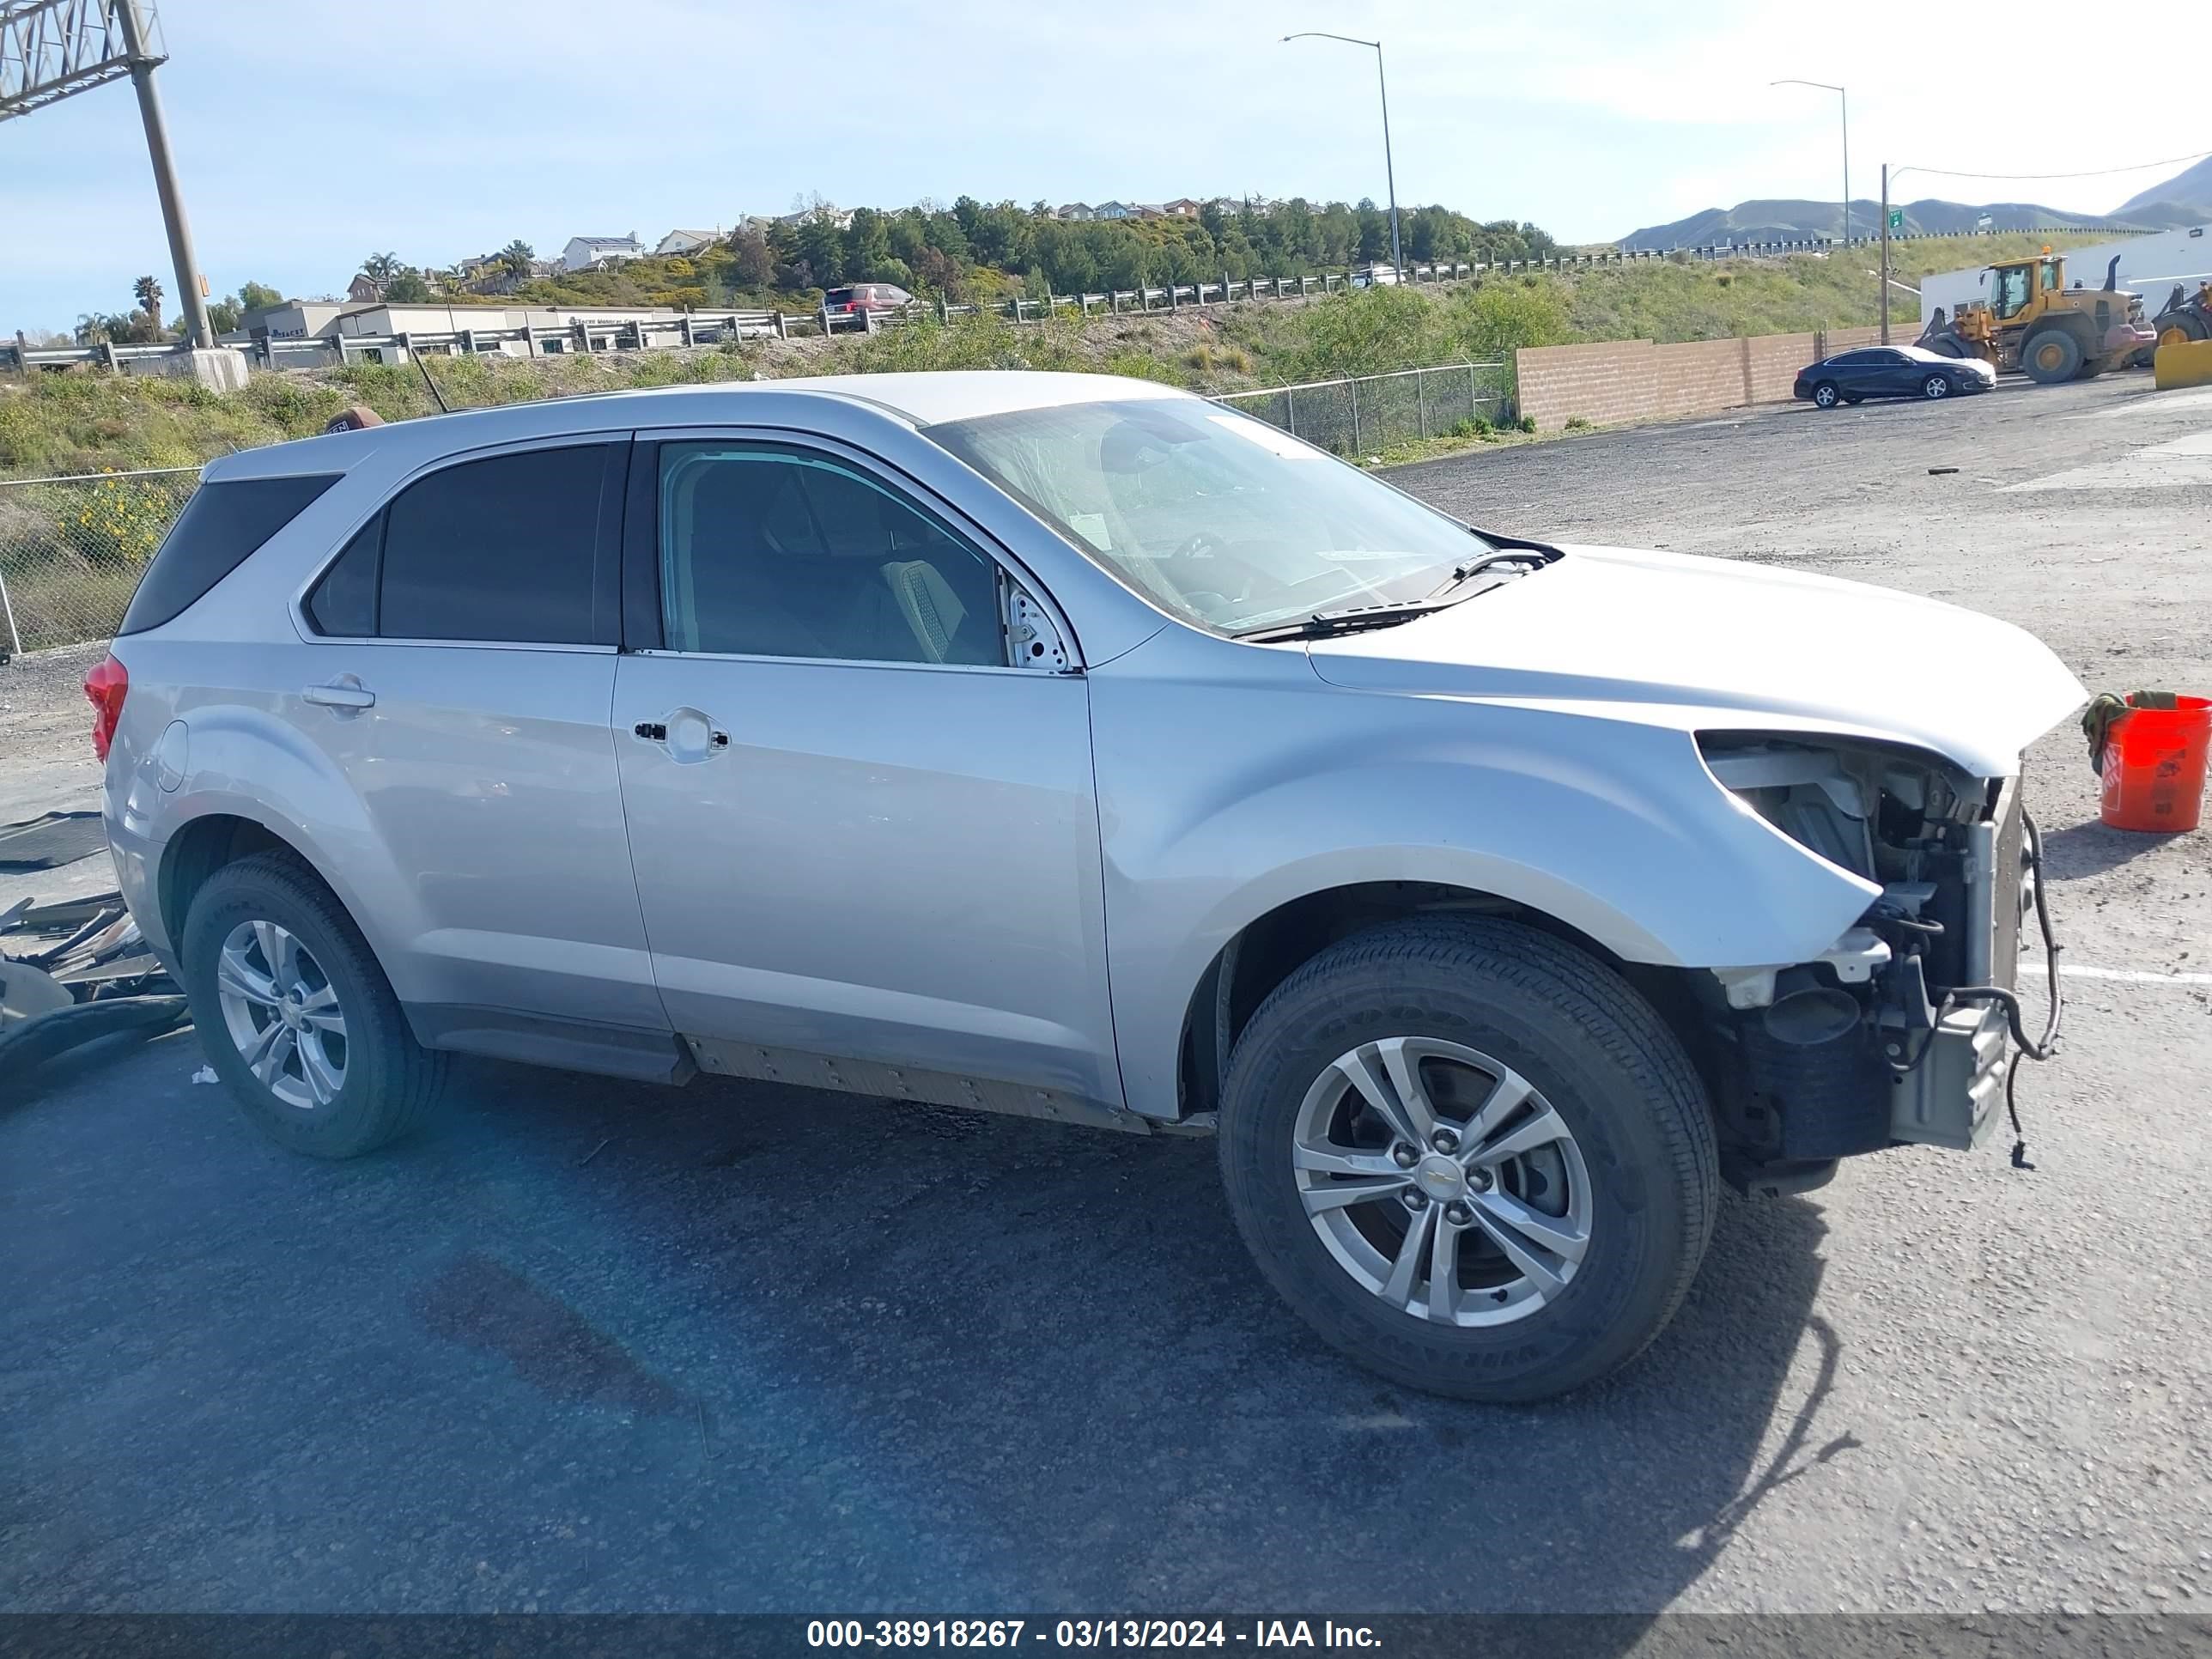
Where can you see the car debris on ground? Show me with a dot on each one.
(71, 972)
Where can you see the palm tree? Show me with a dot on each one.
(381, 268)
(147, 291)
(516, 256)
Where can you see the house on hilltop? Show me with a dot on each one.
(582, 253)
(686, 241)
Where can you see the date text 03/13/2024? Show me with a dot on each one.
(1084, 1633)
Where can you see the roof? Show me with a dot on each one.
(927, 398)
(606, 241)
(703, 235)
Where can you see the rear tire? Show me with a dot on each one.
(2051, 356)
(1609, 1156)
(295, 1014)
(1826, 396)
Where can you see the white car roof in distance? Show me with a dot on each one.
(920, 398)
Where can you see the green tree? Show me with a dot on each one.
(406, 286)
(516, 256)
(820, 251)
(381, 268)
(753, 266)
(256, 296)
(867, 245)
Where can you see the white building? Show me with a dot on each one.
(582, 253)
(2149, 265)
(686, 241)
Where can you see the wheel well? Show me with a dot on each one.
(197, 852)
(1272, 947)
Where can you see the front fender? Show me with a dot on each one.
(1615, 828)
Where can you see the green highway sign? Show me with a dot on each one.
(1897, 218)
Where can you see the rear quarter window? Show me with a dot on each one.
(220, 527)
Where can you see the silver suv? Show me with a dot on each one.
(1073, 747)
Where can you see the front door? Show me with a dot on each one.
(857, 832)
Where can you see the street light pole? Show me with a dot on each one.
(1389, 171)
(165, 174)
(1844, 98)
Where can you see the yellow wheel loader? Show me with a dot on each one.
(2032, 321)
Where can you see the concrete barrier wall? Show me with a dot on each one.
(1619, 380)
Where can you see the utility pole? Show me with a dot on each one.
(141, 63)
(1885, 253)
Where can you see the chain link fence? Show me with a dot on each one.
(1369, 413)
(71, 550)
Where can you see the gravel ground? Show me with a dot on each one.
(590, 1347)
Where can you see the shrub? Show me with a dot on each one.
(1576, 424)
(1527, 423)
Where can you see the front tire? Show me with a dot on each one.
(1471, 1157)
(1935, 387)
(295, 1014)
(2051, 356)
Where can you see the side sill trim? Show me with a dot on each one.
(567, 1045)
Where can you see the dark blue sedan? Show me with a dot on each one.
(1851, 377)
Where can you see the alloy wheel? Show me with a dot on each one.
(1442, 1181)
(282, 1014)
(1937, 387)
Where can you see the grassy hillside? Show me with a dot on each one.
(76, 423)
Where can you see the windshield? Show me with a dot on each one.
(1218, 518)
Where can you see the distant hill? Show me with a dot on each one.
(1791, 221)
(2184, 199)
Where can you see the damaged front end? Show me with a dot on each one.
(1907, 1029)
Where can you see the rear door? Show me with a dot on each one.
(858, 833)
(462, 664)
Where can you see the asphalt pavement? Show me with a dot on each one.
(591, 1347)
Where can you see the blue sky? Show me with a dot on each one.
(309, 133)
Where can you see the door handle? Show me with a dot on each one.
(345, 693)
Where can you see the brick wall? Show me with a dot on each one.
(1635, 379)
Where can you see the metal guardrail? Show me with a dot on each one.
(710, 327)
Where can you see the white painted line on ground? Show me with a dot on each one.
(2125, 976)
(2159, 403)
(2181, 462)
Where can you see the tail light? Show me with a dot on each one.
(106, 685)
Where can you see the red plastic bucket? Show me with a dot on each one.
(2154, 767)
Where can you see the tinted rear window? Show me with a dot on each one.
(218, 531)
(499, 549)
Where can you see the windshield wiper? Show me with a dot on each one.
(1504, 551)
(1352, 619)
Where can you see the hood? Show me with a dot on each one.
(1669, 638)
